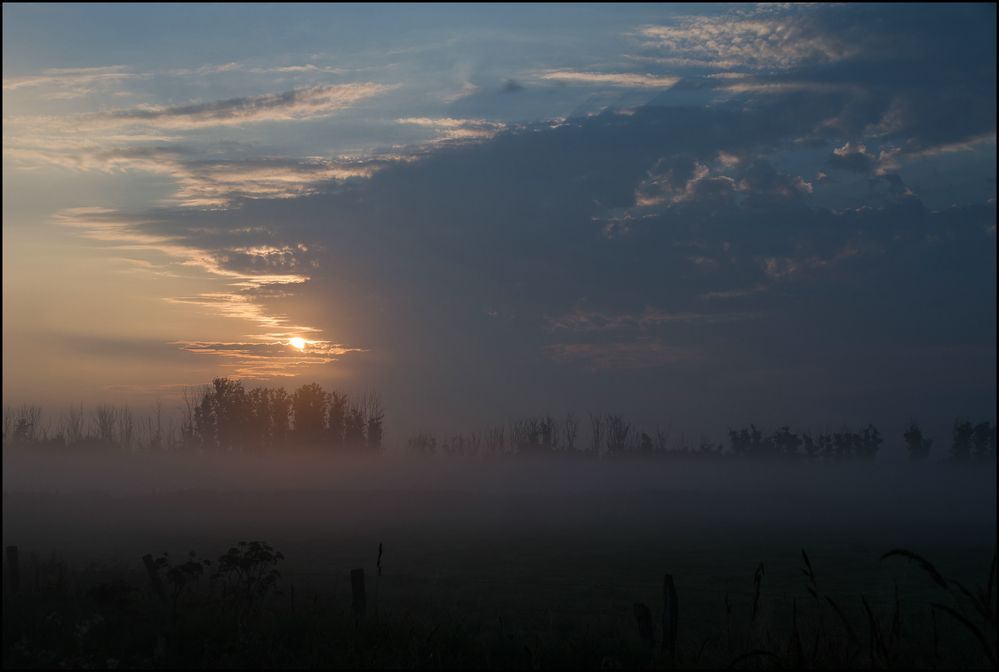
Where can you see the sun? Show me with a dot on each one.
(297, 343)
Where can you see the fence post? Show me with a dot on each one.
(643, 616)
(13, 570)
(670, 612)
(359, 599)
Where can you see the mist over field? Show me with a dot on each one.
(109, 507)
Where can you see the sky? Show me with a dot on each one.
(698, 216)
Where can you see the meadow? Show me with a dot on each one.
(526, 562)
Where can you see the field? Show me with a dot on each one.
(503, 563)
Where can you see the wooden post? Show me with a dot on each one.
(154, 577)
(359, 599)
(643, 616)
(13, 570)
(670, 612)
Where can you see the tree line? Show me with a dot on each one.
(224, 416)
(611, 435)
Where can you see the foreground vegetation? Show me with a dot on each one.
(238, 611)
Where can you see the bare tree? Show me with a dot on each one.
(126, 428)
(23, 424)
(597, 434)
(496, 439)
(374, 413)
(105, 418)
(187, 430)
(73, 426)
(662, 439)
(570, 429)
(618, 434)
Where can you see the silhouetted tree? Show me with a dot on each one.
(232, 413)
(309, 404)
(785, 442)
(983, 441)
(811, 448)
(261, 429)
(961, 443)
(375, 415)
(280, 408)
(618, 434)
(422, 444)
(105, 418)
(662, 440)
(126, 428)
(825, 446)
(336, 425)
(73, 426)
(353, 434)
(870, 442)
(570, 429)
(739, 441)
(205, 422)
(917, 445)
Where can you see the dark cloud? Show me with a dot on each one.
(450, 270)
(511, 86)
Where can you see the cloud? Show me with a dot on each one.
(252, 276)
(267, 360)
(511, 86)
(467, 89)
(296, 105)
(448, 128)
(622, 79)
(852, 157)
(764, 42)
(201, 181)
(65, 83)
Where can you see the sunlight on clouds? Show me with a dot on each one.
(296, 105)
(67, 83)
(268, 359)
(457, 129)
(243, 298)
(758, 42)
(622, 79)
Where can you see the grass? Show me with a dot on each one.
(106, 617)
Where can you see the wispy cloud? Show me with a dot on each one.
(299, 104)
(448, 128)
(268, 359)
(467, 89)
(73, 82)
(619, 79)
(201, 181)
